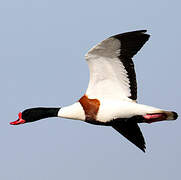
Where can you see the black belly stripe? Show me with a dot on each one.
(134, 119)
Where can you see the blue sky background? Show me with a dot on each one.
(42, 47)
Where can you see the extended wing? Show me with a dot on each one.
(112, 73)
(130, 130)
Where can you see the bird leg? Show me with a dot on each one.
(150, 118)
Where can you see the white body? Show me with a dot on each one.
(112, 109)
(109, 110)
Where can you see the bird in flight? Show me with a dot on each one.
(110, 99)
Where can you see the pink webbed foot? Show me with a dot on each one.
(150, 118)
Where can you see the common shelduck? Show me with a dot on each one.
(110, 99)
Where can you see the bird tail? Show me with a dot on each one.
(171, 115)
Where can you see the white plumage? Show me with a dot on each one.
(108, 77)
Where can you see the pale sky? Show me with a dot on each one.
(42, 47)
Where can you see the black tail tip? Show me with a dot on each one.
(175, 115)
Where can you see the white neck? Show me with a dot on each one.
(74, 111)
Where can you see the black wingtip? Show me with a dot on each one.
(133, 40)
(143, 149)
(131, 131)
(144, 31)
(134, 32)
